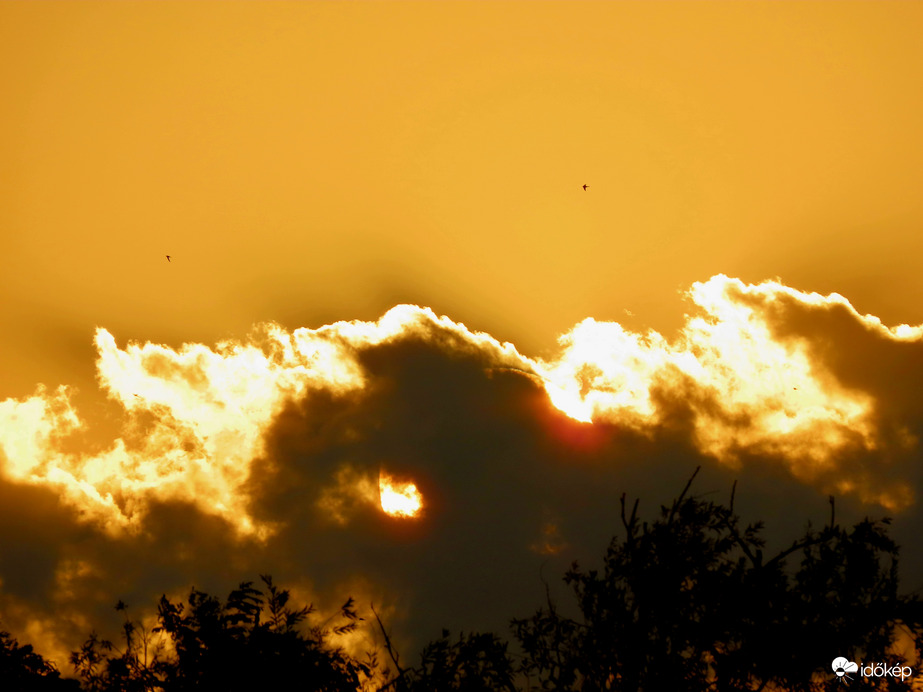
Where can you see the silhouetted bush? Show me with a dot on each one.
(473, 663)
(23, 669)
(252, 641)
(689, 602)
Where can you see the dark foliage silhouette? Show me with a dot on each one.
(689, 602)
(254, 640)
(23, 669)
(472, 663)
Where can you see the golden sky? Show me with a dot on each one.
(753, 195)
(305, 162)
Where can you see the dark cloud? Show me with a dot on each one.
(514, 489)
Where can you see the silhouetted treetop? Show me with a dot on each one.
(472, 663)
(253, 640)
(21, 668)
(690, 602)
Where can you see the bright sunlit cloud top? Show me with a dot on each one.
(196, 418)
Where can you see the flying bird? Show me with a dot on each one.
(585, 187)
(168, 258)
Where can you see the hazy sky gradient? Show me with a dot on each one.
(305, 162)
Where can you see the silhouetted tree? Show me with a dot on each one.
(689, 602)
(686, 603)
(253, 641)
(138, 667)
(472, 663)
(23, 669)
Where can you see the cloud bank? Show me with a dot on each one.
(282, 452)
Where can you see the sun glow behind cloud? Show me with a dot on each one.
(196, 418)
(770, 393)
(399, 499)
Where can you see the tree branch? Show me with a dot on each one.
(391, 652)
(682, 495)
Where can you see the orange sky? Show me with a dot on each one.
(304, 162)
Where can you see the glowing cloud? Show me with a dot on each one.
(605, 372)
(748, 389)
(399, 499)
(269, 448)
(196, 416)
(749, 377)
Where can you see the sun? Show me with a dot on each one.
(401, 500)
